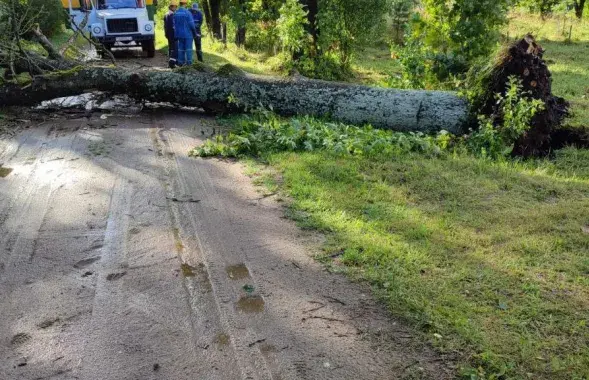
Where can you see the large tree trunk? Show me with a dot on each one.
(206, 10)
(215, 11)
(579, 7)
(402, 110)
(241, 30)
(312, 7)
(240, 36)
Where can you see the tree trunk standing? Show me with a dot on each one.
(215, 11)
(312, 7)
(206, 10)
(240, 36)
(579, 7)
(241, 21)
(224, 33)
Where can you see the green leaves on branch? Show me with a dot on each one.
(449, 36)
(265, 134)
(497, 135)
(291, 26)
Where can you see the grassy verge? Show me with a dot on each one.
(217, 55)
(488, 259)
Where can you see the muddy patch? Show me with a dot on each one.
(250, 304)
(178, 241)
(188, 270)
(222, 339)
(5, 172)
(238, 272)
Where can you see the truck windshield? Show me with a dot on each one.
(118, 4)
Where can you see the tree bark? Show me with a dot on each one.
(579, 7)
(312, 7)
(240, 36)
(401, 110)
(215, 11)
(52, 52)
(241, 30)
(206, 10)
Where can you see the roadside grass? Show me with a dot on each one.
(566, 59)
(489, 260)
(374, 65)
(217, 55)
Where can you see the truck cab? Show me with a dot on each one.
(116, 23)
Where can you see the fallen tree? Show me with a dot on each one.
(233, 91)
(229, 90)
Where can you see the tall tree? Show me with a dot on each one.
(213, 16)
(239, 13)
(579, 7)
(312, 8)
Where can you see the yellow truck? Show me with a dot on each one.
(116, 23)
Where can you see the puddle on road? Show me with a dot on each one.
(238, 272)
(4, 172)
(188, 271)
(222, 339)
(250, 304)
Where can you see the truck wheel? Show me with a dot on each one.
(150, 48)
(101, 50)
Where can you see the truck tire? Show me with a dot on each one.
(150, 48)
(101, 50)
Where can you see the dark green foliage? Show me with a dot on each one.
(544, 7)
(400, 12)
(450, 36)
(265, 133)
(49, 15)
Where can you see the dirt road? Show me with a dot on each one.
(123, 258)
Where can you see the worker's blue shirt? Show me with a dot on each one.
(198, 18)
(184, 24)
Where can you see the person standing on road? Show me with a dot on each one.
(198, 18)
(184, 31)
(171, 35)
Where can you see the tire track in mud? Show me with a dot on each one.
(210, 268)
(284, 315)
(23, 216)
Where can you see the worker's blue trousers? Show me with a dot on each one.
(184, 51)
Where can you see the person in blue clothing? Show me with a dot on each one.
(197, 16)
(184, 32)
(170, 34)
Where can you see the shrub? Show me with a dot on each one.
(291, 26)
(265, 133)
(497, 134)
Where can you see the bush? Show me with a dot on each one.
(497, 134)
(450, 36)
(291, 26)
(265, 133)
